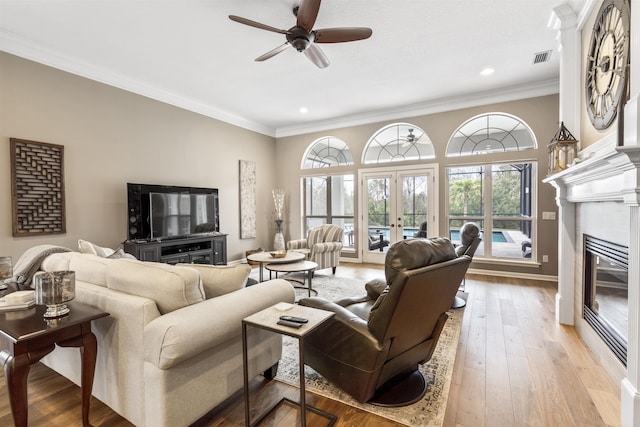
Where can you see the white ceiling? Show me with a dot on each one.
(424, 55)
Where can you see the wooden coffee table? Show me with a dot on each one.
(26, 337)
(266, 258)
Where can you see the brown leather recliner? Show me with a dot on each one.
(470, 239)
(373, 344)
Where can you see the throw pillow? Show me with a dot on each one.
(87, 247)
(219, 280)
(119, 253)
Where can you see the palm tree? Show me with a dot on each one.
(464, 191)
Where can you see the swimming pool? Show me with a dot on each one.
(496, 236)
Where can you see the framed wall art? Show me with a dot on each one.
(37, 188)
(247, 199)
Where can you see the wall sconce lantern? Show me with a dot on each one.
(563, 150)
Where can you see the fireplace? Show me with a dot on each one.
(599, 244)
(606, 292)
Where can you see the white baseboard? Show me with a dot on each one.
(498, 273)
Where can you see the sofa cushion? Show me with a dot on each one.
(221, 279)
(58, 262)
(88, 268)
(171, 287)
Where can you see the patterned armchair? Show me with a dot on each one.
(322, 246)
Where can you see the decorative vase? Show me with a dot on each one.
(54, 289)
(278, 240)
(6, 271)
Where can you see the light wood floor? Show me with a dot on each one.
(515, 366)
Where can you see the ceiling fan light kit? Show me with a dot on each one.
(302, 36)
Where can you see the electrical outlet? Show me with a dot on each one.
(549, 215)
(545, 258)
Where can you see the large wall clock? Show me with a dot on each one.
(607, 60)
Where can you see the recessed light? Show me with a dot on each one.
(304, 110)
(487, 71)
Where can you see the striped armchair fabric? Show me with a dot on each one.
(322, 246)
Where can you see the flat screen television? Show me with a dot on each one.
(159, 212)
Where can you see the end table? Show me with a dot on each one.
(26, 337)
(268, 319)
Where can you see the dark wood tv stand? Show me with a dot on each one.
(209, 249)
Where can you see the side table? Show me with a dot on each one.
(26, 337)
(306, 267)
(267, 319)
(266, 258)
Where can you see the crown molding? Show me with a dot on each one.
(547, 87)
(19, 46)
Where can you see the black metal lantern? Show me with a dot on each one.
(563, 150)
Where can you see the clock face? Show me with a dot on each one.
(607, 59)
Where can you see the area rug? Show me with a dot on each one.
(438, 371)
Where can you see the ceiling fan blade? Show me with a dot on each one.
(273, 52)
(307, 14)
(317, 56)
(255, 24)
(344, 34)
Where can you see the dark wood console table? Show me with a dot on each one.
(26, 337)
(210, 249)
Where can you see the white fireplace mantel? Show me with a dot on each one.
(604, 172)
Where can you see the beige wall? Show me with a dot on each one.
(540, 113)
(112, 137)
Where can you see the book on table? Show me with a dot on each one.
(18, 300)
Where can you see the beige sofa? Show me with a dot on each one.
(171, 349)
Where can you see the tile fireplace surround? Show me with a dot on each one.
(600, 196)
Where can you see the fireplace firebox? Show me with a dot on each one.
(606, 292)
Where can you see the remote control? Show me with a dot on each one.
(287, 323)
(294, 319)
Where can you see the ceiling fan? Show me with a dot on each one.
(304, 38)
(411, 138)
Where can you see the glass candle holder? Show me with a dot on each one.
(6, 271)
(54, 289)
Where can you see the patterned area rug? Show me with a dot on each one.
(438, 371)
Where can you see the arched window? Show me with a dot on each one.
(326, 152)
(398, 142)
(491, 133)
(498, 195)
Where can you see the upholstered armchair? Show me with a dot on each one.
(422, 233)
(377, 241)
(322, 246)
(373, 345)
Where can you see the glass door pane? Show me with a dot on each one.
(414, 206)
(396, 205)
(377, 215)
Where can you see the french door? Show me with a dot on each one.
(395, 203)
